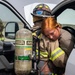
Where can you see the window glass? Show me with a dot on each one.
(6, 15)
(11, 28)
(67, 17)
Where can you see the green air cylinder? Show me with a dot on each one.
(23, 49)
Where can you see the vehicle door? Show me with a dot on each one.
(65, 15)
(11, 17)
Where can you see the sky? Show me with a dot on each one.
(29, 1)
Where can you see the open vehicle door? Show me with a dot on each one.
(64, 13)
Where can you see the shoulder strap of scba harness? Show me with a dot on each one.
(36, 40)
(37, 33)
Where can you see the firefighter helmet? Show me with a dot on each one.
(41, 10)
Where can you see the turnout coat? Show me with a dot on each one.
(57, 51)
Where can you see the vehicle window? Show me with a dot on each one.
(67, 18)
(6, 15)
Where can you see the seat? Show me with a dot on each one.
(8, 51)
(70, 29)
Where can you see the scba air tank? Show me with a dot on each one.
(23, 49)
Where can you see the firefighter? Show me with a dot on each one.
(62, 39)
(40, 12)
(1, 30)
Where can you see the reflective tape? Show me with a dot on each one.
(39, 36)
(34, 34)
(53, 74)
(56, 53)
(44, 54)
(2, 38)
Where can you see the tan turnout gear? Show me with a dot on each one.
(40, 12)
(50, 50)
(54, 51)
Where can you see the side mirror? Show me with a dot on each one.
(10, 30)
